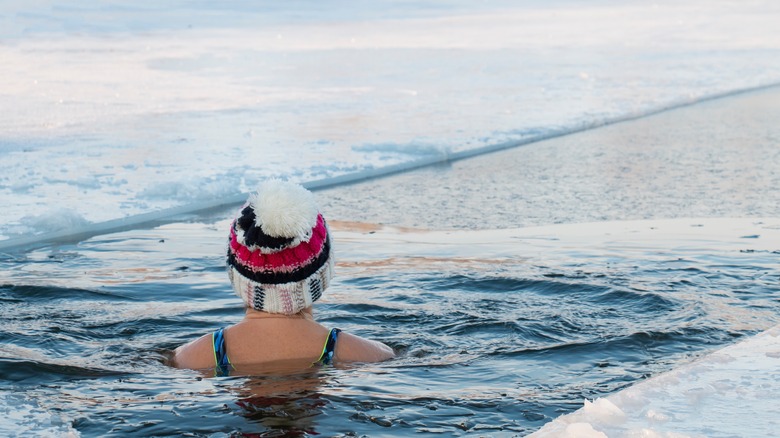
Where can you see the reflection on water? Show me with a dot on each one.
(497, 332)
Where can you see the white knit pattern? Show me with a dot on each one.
(285, 298)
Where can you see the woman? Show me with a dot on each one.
(280, 261)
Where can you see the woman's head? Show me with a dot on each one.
(279, 255)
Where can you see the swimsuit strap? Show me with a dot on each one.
(326, 358)
(221, 359)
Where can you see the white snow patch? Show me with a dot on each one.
(604, 411)
(54, 219)
(582, 430)
(193, 189)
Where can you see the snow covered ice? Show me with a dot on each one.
(128, 108)
(731, 392)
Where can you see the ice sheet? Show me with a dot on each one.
(733, 392)
(127, 108)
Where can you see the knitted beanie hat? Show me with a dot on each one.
(279, 257)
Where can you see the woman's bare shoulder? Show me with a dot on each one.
(195, 355)
(353, 348)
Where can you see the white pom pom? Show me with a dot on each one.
(284, 209)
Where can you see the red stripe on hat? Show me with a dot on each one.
(285, 260)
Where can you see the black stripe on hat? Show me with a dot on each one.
(254, 235)
(270, 277)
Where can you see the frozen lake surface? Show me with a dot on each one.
(118, 109)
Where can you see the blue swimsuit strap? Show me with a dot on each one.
(326, 358)
(221, 359)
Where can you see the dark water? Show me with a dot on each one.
(486, 347)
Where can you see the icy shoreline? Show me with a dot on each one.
(68, 226)
(732, 392)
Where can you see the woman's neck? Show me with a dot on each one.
(252, 314)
